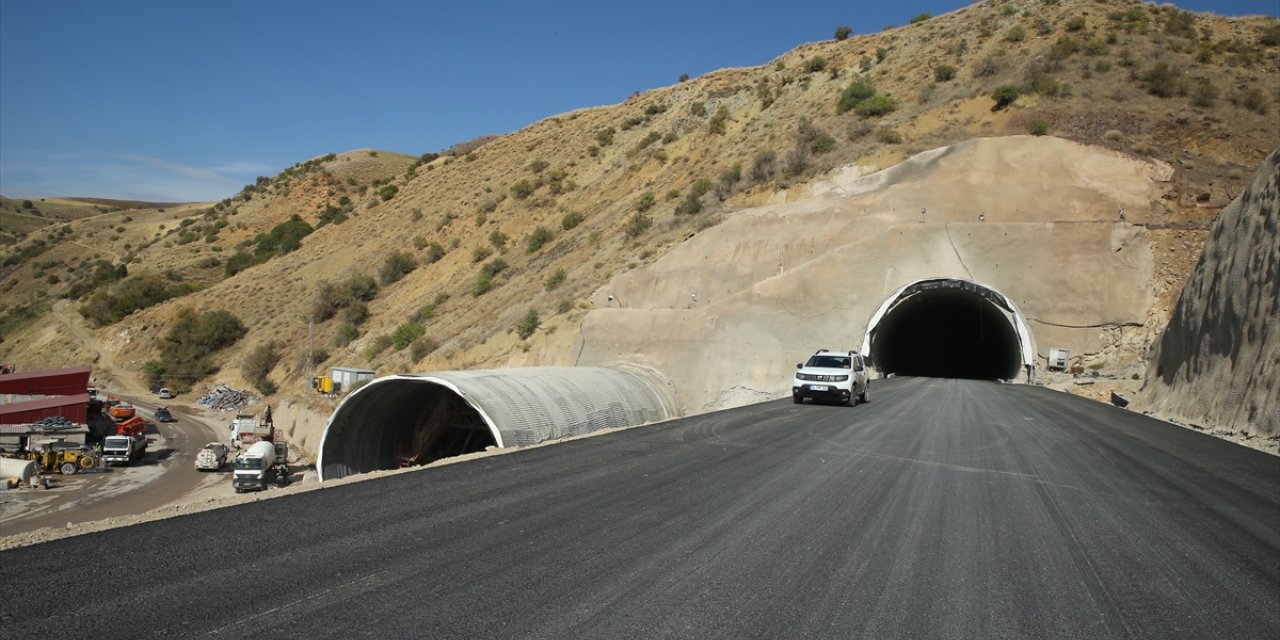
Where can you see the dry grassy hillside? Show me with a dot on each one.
(464, 247)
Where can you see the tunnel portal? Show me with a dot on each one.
(949, 328)
(411, 420)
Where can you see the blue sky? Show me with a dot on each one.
(193, 99)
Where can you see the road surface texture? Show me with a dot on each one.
(942, 509)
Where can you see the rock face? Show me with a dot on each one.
(1217, 364)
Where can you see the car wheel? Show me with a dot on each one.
(862, 397)
(797, 399)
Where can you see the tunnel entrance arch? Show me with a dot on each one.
(949, 328)
(411, 420)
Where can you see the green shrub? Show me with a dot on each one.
(554, 280)
(1076, 24)
(388, 192)
(645, 202)
(186, 350)
(435, 253)
(1038, 127)
(571, 220)
(698, 109)
(604, 137)
(822, 144)
(944, 73)
(537, 239)
(344, 335)
(921, 17)
(1016, 33)
(1203, 92)
(498, 239)
(1252, 99)
(355, 313)
(494, 266)
(856, 92)
(259, 363)
(815, 64)
(522, 189)
(406, 334)
(265, 387)
(637, 224)
(422, 347)
(876, 106)
(1161, 80)
(377, 346)
(538, 166)
(717, 123)
(887, 135)
(528, 324)
(1004, 95)
(842, 33)
(484, 282)
(396, 266)
(480, 253)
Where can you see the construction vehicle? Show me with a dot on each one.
(52, 455)
(247, 429)
(261, 464)
(128, 445)
(212, 457)
(322, 384)
(122, 410)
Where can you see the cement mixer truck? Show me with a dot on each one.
(259, 465)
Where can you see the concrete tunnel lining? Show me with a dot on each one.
(988, 340)
(409, 420)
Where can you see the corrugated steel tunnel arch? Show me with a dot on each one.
(408, 420)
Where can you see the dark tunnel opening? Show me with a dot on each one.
(946, 333)
(391, 426)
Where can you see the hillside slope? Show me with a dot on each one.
(1217, 364)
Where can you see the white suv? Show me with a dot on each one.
(831, 375)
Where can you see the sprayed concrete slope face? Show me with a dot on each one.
(728, 314)
(1218, 363)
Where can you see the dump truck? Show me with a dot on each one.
(247, 429)
(211, 457)
(260, 465)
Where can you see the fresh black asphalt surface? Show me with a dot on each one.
(942, 509)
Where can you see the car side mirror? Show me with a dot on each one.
(799, 366)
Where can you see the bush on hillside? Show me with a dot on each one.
(528, 324)
(186, 350)
(396, 266)
(842, 33)
(1004, 95)
(540, 237)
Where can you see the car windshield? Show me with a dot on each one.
(830, 362)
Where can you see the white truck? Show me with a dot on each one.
(211, 457)
(122, 449)
(259, 465)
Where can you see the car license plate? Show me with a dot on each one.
(819, 387)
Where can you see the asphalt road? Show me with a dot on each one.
(942, 509)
